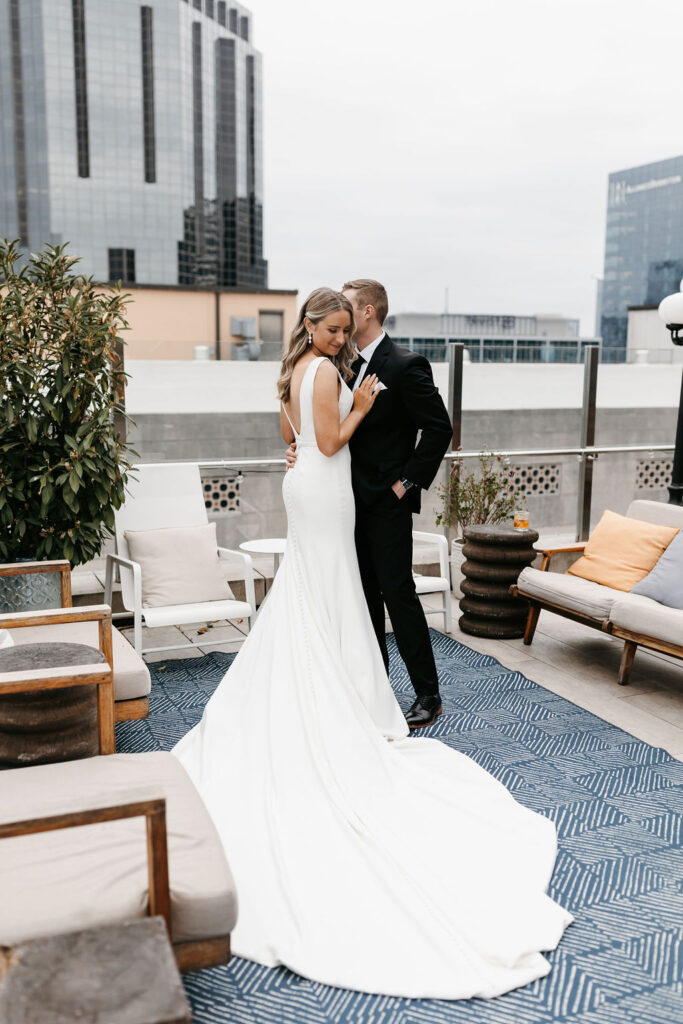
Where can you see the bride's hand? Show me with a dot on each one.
(365, 394)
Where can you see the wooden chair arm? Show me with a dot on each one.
(27, 680)
(25, 568)
(154, 811)
(55, 616)
(549, 553)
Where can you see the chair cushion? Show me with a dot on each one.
(209, 611)
(570, 592)
(665, 582)
(180, 565)
(131, 675)
(430, 584)
(97, 874)
(621, 551)
(643, 615)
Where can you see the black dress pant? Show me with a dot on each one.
(384, 543)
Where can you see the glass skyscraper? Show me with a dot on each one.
(643, 244)
(133, 132)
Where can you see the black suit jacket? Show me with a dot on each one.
(383, 448)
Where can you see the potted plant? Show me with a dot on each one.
(63, 465)
(481, 495)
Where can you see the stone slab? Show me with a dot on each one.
(118, 974)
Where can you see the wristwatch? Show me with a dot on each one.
(406, 484)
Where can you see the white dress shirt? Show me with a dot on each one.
(366, 355)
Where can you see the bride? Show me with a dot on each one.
(363, 858)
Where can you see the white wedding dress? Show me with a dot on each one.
(362, 858)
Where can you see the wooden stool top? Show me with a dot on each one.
(500, 533)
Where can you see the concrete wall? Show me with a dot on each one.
(251, 387)
(201, 411)
(204, 436)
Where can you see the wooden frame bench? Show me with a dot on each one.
(648, 511)
(189, 956)
(95, 674)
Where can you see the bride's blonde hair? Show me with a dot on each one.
(319, 304)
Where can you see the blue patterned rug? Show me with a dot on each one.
(618, 807)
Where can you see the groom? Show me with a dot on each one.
(389, 469)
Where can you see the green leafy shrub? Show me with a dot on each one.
(483, 495)
(63, 467)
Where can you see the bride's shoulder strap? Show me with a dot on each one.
(289, 419)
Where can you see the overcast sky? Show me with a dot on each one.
(460, 145)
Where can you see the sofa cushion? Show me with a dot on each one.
(82, 877)
(621, 551)
(131, 675)
(665, 582)
(570, 592)
(643, 615)
(180, 565)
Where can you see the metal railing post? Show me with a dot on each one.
(120, 426)
(676, 485)
(456, 351)
(587, 440)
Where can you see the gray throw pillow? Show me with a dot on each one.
(664, 583)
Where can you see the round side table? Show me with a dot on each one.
(269, 546)
(494, 558)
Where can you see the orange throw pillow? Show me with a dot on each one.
(621, 551)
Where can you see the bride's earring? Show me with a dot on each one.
(310, 338)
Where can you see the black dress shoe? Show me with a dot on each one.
(424, 711)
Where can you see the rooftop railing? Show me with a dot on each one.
(537, 350)
(523, 461)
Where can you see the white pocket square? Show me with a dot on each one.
(381, 387)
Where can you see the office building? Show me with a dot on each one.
(643, 243)
(133, 132)
(490, 337)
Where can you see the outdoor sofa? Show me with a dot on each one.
(109, 838)
(639, 621)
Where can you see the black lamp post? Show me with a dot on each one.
(671, 312)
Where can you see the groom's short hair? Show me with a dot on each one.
(370, 293)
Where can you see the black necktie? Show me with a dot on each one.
(356, 367)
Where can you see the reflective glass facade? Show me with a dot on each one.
(133, 132)
(643, 243)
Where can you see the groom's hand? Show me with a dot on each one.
(290, 456)
(398, 489)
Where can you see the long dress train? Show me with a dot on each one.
(363, 858)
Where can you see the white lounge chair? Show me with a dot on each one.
(440, 584)
(170, 495)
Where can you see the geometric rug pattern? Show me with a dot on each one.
(617, 804)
